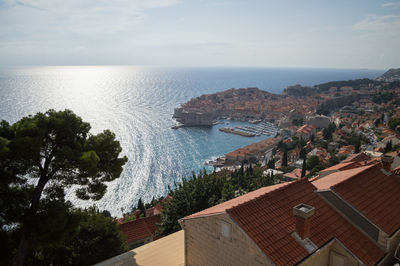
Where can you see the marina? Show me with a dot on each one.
(263, 128)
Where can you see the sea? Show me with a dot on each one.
(137, 104)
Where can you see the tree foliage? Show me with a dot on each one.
(393, 123)
(208, 189)
(53, 150)
(141, 207)
(95, 239)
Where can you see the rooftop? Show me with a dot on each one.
(295, 174)
(335, 178)
(140, 228)
(220, 208)
(269, 221)
(341, 166)
(357, 157)
(375, 194)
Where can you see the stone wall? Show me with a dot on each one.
(194, 118)
(204, 244)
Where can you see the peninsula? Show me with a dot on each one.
(253, 104)
(241, 104)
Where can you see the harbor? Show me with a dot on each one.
(262, 128)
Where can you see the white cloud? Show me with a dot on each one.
(74, 16)
(393, 5)
(388, 24)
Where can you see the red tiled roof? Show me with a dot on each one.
(337, 177)
(220, 208)
(140, 228)
(341, 166)
(154, 210)
(306, 129)
(375, 195)
(295, 174)
(269, 221)
(357, 157)
(394, 153)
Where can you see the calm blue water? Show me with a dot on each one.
(137, 103)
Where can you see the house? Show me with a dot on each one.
(322, 154)
(294, 155)
(357, 157)
(392, 138)
(305, 132)
(369, 197)
(298, 163)
(272, 172)
(347, 129)
(156, 210)
(346, 88)
(338, 167)
(254, 150)
(141, 230)
(238, 155)
(319, 121)
(294, 175)
(284, 224)
(346, 150)
(346, 218)
(374, 154)
(333, 146)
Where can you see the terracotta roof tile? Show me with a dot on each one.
(140, 228)
(341, 166)
(295, 174)
(337, 177)
(154, 210)
(357, 157)
(236, 201)
(269, 221)
(375, 195)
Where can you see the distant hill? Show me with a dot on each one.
(392, 74)
(298, 90)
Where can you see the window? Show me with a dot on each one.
(226, 229)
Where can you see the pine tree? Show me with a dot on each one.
(54, 150)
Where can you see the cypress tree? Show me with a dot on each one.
(284, 159)
(303, 170)
(141, 207)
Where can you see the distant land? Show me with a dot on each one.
(255, 104)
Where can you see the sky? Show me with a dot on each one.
(237, 33)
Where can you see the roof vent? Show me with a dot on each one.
(303, 214)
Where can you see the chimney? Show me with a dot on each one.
(303, 214)
(387, 161)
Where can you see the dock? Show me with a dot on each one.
(264, 128)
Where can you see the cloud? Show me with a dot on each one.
(88, 17)
(389, 24)
(392, 5)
